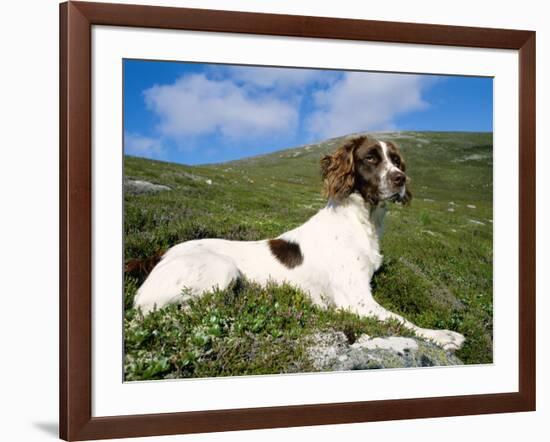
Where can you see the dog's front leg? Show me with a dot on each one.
(447, 339)
(361, 301)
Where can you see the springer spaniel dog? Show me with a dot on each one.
(332, 256)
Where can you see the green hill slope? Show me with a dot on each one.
(438, 252)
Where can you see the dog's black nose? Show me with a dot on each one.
(398, 178)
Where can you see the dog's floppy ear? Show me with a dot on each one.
(338, 170)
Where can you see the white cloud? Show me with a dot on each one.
(196, 105)
(141, 146)
(279, 78)
(364, 101)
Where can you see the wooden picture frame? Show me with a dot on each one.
(76, 21)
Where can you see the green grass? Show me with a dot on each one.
(245, 329)
(437, 267)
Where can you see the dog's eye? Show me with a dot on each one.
(370, 158)
(396, 160)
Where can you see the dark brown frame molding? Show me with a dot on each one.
(76, 20)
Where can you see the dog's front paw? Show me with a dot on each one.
(449, 340)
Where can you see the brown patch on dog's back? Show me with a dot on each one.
(288, 253)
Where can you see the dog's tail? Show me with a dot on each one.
(141, 267)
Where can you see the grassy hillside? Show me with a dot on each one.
(437, 268)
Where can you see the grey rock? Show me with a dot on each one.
(326, 348)
(137, 187)
(331, 351)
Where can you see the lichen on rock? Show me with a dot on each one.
(331, 351)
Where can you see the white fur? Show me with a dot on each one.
(340, 248)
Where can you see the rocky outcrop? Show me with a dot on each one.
(331, 351)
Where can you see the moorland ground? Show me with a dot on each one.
(437, 269)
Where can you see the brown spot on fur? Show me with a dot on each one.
(288, 253)
(140, 268)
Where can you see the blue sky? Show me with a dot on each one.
(195, 113)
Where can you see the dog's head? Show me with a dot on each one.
(375, 169)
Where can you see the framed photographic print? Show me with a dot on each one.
(273, 220)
